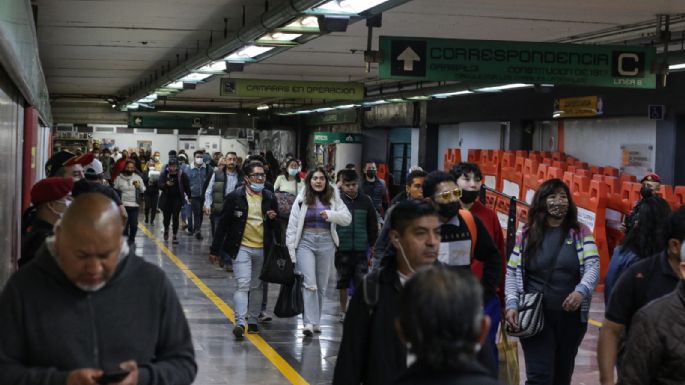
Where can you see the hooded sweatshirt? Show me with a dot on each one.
(48, 326)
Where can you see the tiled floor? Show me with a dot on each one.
(222, 360)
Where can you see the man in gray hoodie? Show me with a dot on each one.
(87, 309)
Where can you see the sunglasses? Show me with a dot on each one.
(445, 195)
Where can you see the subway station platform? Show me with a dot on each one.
(279, 354)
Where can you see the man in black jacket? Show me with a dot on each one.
(244, 232)
(370, 350)
(88, 306)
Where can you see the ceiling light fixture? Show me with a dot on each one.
(673, 67)
(305, 24)
(450, 94)
(216, 67)
(248, 53)
(194, 78)
(263, 108)
(347, 7)
(279, 37)
(148, 99)
(504, 87)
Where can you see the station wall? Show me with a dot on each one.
(599, 141)
(468, 135)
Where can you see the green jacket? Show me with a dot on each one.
(363, 231)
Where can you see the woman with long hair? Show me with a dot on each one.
(289, 181)
(311, 238)
(557, 256)
(130, 185)
(645, 238)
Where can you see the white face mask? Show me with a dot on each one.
(682, 250)
(156, 159)
(199, 161)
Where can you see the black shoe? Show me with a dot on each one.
(252, 329)
(174, 240)
(131, 241)
(198, 236)
(146, 221)
(166, 235)
(238, 331)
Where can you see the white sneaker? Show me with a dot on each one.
(317, 328)
(308, 330)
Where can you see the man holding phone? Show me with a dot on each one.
(88, 311)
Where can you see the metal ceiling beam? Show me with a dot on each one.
(274, 18)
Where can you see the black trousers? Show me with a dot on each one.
(131, 228)
(171, 211)
(196, 205)
(550, 355)
(151, 201)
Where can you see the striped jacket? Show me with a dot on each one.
(589, 270)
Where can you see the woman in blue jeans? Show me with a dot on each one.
(311, 239)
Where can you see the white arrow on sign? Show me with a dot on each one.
(409, 56)
(138, 121)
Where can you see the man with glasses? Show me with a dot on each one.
(244, 231)
(459, 245)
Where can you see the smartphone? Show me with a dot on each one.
(112, 377)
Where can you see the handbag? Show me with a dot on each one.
(530, 312)
(290, 302)
(278, 267)
(508, 352)
(285, 204)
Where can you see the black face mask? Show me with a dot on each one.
(127, 173)
(469, 196)
(646, 192)
(371, 173)
(448, 210)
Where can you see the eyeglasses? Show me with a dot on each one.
(445, 195)
(258, 176)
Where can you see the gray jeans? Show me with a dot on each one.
(246, 269)
(315, 255)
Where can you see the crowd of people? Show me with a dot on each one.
(423, 278)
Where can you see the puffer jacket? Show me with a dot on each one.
(655, 350)
(129, 192)
(337, 215)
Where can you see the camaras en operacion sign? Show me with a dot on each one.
(490, 61)
(291, 89)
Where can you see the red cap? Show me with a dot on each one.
(651, 177)
(83, 160)
(51, 189)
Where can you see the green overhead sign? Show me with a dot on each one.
(337, 137)
(498, 62)
(263, 88)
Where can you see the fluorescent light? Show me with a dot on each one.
(504, 87)
(175, 85)
(194, 78)
(148, 99)
(450, 94)
(346, 106)
(324, 109)
(397, 100)
(216, 67)
(677, 66)
(347, 7)
(132, 106)
(248, 53)
(279, 36)
(198, 112)
(263, 108)
(305, 23)
(304, 112)
(375, 103)
(420, 97)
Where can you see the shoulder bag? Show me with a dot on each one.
(530, 311)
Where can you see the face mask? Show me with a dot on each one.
(371, 173)
(257, 187)
(404, 257)
(682, 250)
(448, 210)
(66, 203)
(293, 171)
(557, 210)
(127, 173)
(156, 159)
(199, 161)
(646, 192)
(469, 196)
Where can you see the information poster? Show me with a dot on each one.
(637, 159)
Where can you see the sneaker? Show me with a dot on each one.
(238, 331)
(317, 329)
(263, 317)
(166, 235)
(308, 330)
(198, 236)
(252, 328)
(184, 225)
(174, 240)
(342, 317)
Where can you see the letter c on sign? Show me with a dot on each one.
(628, 60)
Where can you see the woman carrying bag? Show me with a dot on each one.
(555, 260)
(311, 239)
(131, 186)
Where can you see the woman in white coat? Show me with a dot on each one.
(311, 239)
(130, 185)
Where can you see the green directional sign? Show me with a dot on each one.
(337, 137)
(265, 88)
(498, 62)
